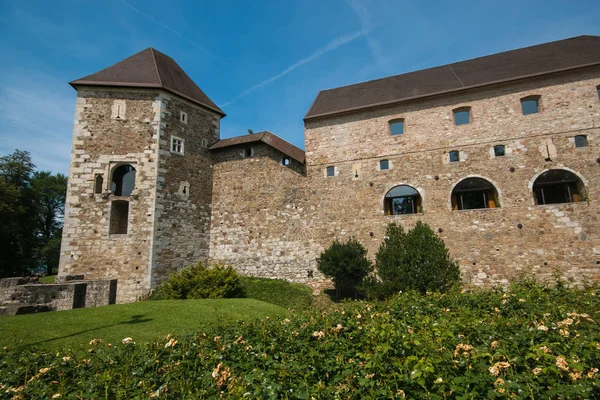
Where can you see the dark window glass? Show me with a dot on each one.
(384, 164)
(581, 141)
(402, 199)
(119, 215)
(474, 193)
(98, 184)
(499, 150)
(330, 171)
(530, 105)
(462, 116)
(397, 127)
(247, 152)
(123, 180)
(598, 90)
(454, 156)
(557, 186)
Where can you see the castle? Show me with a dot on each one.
(499, 155)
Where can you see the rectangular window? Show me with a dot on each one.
(581, 141)
(499, 150)
(177, 145)
(248, 152)
(330, 171)
(397, 127)
(454, 156)
(205, 143)
(119, 216)
(183, 117)
(383, 165)
(530, 105)
(462, 116)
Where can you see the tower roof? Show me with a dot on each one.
(547, 58)
(150, 69)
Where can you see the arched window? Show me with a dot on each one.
(402, 199)
(123, 180)
(474, 193)
(557, 186)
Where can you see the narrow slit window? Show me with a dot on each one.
(384, 164)
(183, 117)
(581, 141)
(397, 127)
(119, 217)
(462, 116)
(98, 184)
(598, 91)
(330, 171)
(530, 105)
(499, 150)
(454, 156)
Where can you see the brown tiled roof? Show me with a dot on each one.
(150, 69)
(531, 61)
(265, 137)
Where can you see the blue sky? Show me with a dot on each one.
(263, 62)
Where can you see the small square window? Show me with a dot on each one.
(286, 161)
(499, 150)
(384, 164)
(330, 171)
(462, 116)
(248, 152)
(530, 105)
(454, 156)
(397, 127)
(177, 145)
(183, 117)
(581, 141)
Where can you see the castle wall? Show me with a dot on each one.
(487, 243)
(184, 187)
(101, 142)
(262, 215)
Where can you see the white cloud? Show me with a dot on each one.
(334, 44)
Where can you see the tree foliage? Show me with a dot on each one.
(414, 260)
(31, 216)
(346, 264)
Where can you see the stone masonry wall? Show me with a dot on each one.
(184, 188)
(487, 243)
(101, 142)
(262, 213)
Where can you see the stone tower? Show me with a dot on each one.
(140, 177)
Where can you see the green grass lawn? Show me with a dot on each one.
(143, 321)
(47, 279)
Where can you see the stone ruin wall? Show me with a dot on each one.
(270, 221)
(100, 142)
(184, 187)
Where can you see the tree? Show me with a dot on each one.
(50, 191)
(31, 216)
(346, 264)
(415, 260)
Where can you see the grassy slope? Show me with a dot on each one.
(279, 292)
(142, 321)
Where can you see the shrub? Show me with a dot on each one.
(416, 260)
(200, 282)
(346, 264)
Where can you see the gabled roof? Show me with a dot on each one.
(150, 69)
(562, 55)
(266, 137)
